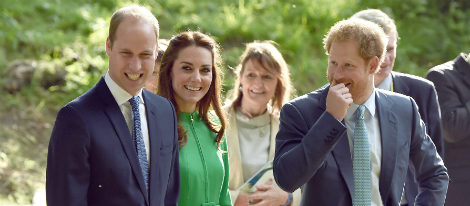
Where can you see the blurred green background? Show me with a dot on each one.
(62, 42)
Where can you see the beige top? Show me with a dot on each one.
(253, 137)
(235, 160)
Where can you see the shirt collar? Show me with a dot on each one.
(120, 95)
(369, 104)
(386, 84)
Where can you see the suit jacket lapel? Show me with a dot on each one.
(398, 85)
(155, 142)
(341, 152)
(463, 67)
(117, 119)
(388, 133)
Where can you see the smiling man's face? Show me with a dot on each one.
(132, 54)
(389, 61)
(346, 66)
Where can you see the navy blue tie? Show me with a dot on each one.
(138, 139)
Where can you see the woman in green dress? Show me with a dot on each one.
(191, 79)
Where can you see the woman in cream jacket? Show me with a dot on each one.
(261, 88)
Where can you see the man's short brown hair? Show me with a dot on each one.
(134, 11)
(370, 37)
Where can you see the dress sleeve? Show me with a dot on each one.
(224, 193)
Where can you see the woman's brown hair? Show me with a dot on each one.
(266, 54)
(212, 99)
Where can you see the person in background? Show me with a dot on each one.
(117, 144)
(452, 80)
(420, 89)
(350, 144)
(190, 78)
(262, 86)
(152, 83)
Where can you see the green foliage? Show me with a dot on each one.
(431, 31)
(66, 35)
(297, 26)
(24, 146)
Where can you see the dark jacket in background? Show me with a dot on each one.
(452, 82)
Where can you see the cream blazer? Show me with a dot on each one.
(234, 156)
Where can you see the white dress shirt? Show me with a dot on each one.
(386, 84)
(122, 98)
(375, 142)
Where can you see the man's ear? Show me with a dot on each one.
(108, 46)
(373, 64)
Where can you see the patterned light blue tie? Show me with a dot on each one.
(138, 139)
(361, 162)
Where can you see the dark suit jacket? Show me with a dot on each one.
(92, 159)
(312, 151)
(424, 94)
(452, 81)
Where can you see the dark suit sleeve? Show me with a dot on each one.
(434, 121)
(301, 149)
(455, 112)
(173, 189)
(68, 169)
(430, 171)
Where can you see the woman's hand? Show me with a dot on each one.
(268, 194)
(242, 199)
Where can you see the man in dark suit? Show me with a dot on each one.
(117, 143)
(420, 89)
(349, 143)
(452, 81)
